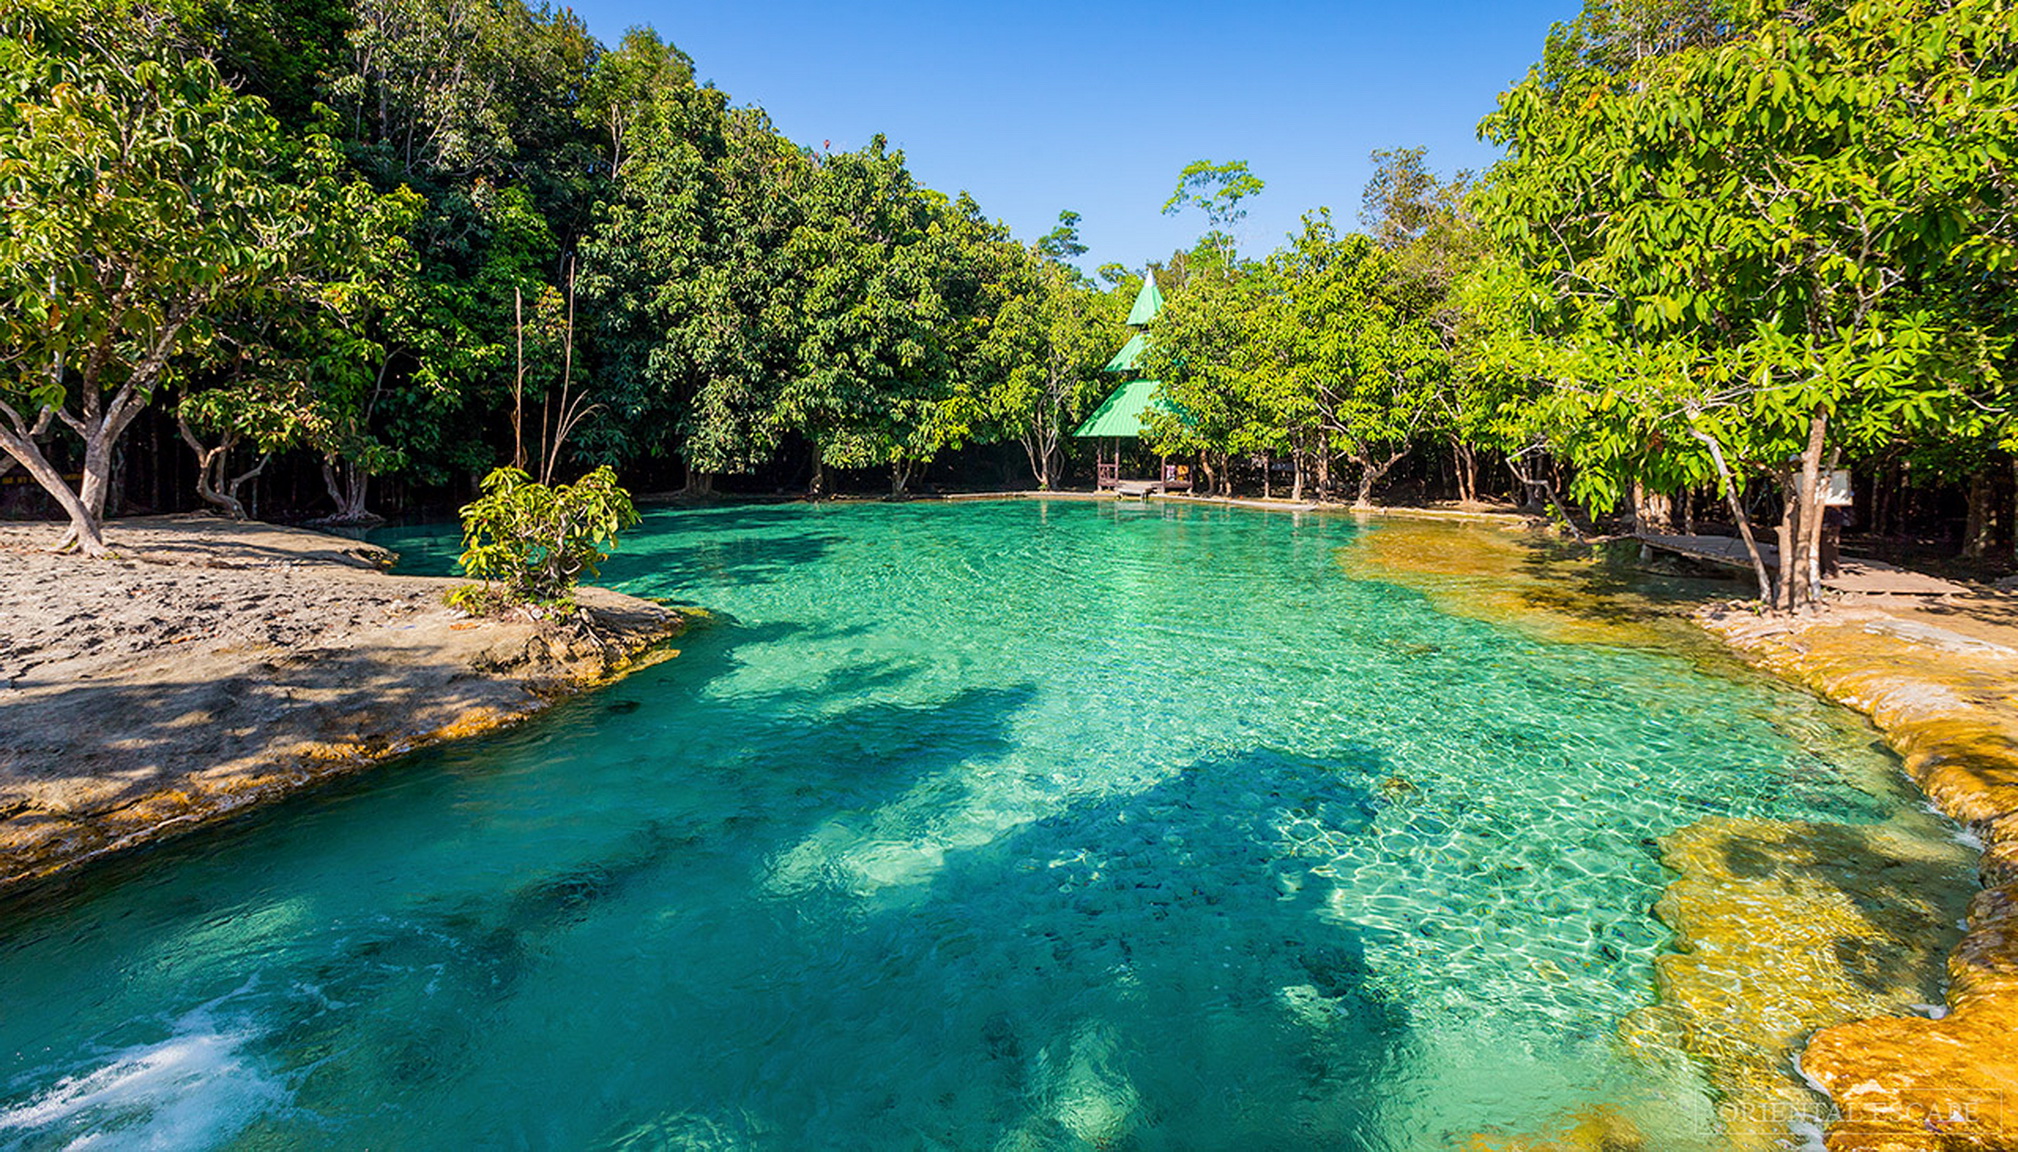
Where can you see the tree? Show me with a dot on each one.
(872, 346)
(1216, 190)
(1062, 244)
(1775, 244)
(628, 84)
(265, 413)
(1402, 198)
(1321, 348)
(142, 196)
(1044, 352)
(538, 540)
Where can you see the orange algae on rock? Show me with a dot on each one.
(1945, 702)
(1909, 1083)
(1548, 589)
(1783, 927)
(1593, 1129)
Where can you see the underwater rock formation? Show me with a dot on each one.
(1946, 702)
(1783, 927)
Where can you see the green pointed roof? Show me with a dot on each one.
(1130, 354)
(1148, 302)
(1121, 413)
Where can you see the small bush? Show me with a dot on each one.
(529, 543)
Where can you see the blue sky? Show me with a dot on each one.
(1095, 106)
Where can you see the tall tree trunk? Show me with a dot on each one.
(1810, 540)
(817, 488)
(1652, 511)
(350, 488)
(1978, 528)
(1267, 476)
(1783, 534)
(1465, 464)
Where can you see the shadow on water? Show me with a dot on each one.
(427, 990)
(1139, 970)
(684, 562)
(1907, 904)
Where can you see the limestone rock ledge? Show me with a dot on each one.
(1783, 928)
(156, 692)
(1949, 704)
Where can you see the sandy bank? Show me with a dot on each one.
(210, 666)
(1946, 698)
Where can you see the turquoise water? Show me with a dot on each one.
(985, 826)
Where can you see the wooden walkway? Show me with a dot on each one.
(1870, 577)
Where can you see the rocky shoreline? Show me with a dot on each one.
(209, 668)
(1948, 704)
(1799, 946)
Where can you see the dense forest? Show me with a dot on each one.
(334, 258)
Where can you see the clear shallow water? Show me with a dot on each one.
(992, 825)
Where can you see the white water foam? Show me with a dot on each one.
(195, 1089)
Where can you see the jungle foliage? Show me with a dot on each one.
(1731, 245)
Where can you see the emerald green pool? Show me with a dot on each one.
(999, 825)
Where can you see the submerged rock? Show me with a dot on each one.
(1945, 702)
(1784, 927)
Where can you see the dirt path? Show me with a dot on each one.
(211, 666)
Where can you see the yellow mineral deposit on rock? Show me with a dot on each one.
(1899, 1081)
(1785, 927)
(1598, 1128)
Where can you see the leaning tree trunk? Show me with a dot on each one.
(1736, 498)
(86, 533)
(85, 505)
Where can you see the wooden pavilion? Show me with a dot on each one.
(1119, 417)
